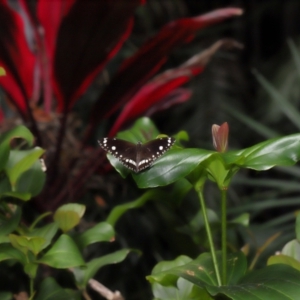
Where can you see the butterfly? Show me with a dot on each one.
(136, 157)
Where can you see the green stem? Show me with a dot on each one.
(31, 282)
(224, 236)
(209, 235)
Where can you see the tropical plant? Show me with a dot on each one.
(55, 244)
(215, 274)
(52, 52)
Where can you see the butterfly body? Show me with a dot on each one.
(137, 157)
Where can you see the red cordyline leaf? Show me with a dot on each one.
(77, 39)
(16, 58)
(46, 16)
(148, 60)
(159, 87)
(88, 37)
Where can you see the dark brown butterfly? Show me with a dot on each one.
(137, 157)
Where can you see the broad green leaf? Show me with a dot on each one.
(142, 130)
(5, 186)
(181, 292)
(6, 295)
(292, 249)
(201, 271)
(4, 239)
(7, 251)
(51, 290)
(101, 232)
(83, 275)
(172, 166)
(47, 232)
(283, 151)
(31, 269)
(24, 243)
(68, 216)
(31, 181)
(63, 254)
(19, 131)
(278, 282)
(21, 161)
(21, 196)
(9, 223)
(284, 259)
(164, 266)
(77, 208)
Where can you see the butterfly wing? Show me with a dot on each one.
(152, 150)
(124, 151)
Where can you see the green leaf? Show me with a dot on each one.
(7, 251)
(31, 181)
(25, 243)
(47, 232)
(142, 130)
(284, 151)
(31, 269)
(278, 282)
(292, 249)
(181, 292)
(5, 186)
(63, 254)
(68, 216)
(174, 165)
(201, 271)
(6, 295)
(10, 223)
(51, 290)
(21, 161)
(284, 259)
(19, 131)
(83, 275)
(164, 266)
(21, 196)
(101, 232)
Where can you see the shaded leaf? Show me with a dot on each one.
(7, 251)
(21, 161)
(51, 290)
(83, 275)
(63, 254)
(284, 259)
(101, 232)
(68, 216)
(273, 282)
(9, 223)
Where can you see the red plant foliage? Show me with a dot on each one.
(53, 50)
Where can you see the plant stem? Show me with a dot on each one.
(210, 240)
(224, 236)
(31, 281)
